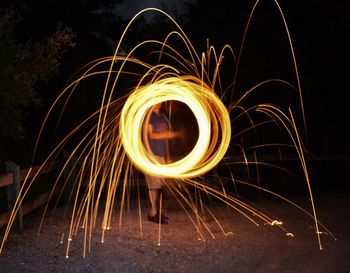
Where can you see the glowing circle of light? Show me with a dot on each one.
(211, 115)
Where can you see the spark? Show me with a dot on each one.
(276, 222)
(111, 142)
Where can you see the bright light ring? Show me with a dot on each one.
(211, 115)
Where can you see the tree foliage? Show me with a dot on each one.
(23, 64)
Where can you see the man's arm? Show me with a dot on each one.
(161, 135)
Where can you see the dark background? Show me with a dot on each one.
(319, 32)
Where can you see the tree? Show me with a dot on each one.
(23, 64)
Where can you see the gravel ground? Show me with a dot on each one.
(240, 247)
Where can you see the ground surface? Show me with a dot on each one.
(245, 248)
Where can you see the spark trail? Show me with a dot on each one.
(111, 146)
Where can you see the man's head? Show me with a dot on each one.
(156, 108)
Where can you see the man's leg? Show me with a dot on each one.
(153, 199)
(154, 186)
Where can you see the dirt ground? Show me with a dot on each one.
(242, 247)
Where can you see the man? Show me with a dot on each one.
(158, 134)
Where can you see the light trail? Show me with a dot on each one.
(111, 144)
(211, 116)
